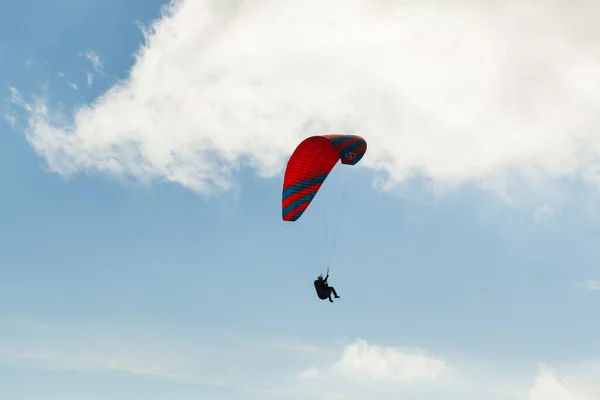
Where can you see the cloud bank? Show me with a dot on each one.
(453, 91)
(356, 370)
(366, 370)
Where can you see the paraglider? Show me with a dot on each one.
(308, 167)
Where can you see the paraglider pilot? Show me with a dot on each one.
(324, 291)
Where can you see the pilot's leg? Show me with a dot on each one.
(334, 292)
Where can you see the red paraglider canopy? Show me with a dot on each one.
(311, 163)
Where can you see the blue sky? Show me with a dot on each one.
(143, 253)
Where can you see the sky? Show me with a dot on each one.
(142, 251)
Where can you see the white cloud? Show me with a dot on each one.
(465, 379)
(364, 362)
(364, 370)
(456, 91)
(592, 284)
(549, 386)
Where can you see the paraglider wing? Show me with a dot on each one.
(310, 164)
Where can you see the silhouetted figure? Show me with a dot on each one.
(324, 291)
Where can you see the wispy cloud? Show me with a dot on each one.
(90, 78)
(298, 347)
(310, 373)
(544, 213)
(94, 59)
(67, 348)
(17, 99)
(209, 360)
(593, 284)
(10, 118)
(125, 364)
(11, 114)
(459, 93)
